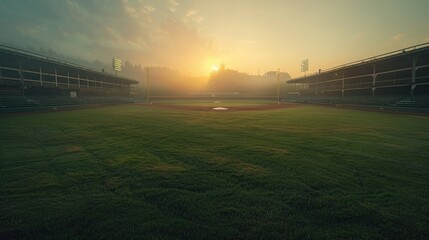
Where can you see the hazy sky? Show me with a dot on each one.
(193, 35)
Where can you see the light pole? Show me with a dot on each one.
(147, 86)
(304, 66)
(278, 85)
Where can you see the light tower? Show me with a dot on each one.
(278, 85)
(304, 66)
(116, 65)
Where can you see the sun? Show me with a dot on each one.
(215, 68)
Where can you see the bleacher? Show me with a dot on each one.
(397, 80)
(32, 82)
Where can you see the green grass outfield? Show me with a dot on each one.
(133, 172)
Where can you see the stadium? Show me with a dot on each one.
(176, 169)
(399, 78)
(29, 81)
(398, 81)
(190, 119)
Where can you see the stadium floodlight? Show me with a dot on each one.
(304, 66)
(117, 64)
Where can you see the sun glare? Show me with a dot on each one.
(215, 68)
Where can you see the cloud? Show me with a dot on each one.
(146, 32)
(398, 37)
(188, 47)
(192, 15)
(172, 5)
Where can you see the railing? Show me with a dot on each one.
(58, 77)
(58, 61)
(377, 57)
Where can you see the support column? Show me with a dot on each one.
(374, 77)
(317, 92)
(21, 77)
(278, 85)
(68, 79)
(394, 79)
(342, 87)
(78, 80)
(56, 78)
(148, 86)
(87, 81)
(413, 77)
(41, 77)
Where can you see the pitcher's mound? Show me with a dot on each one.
(220, 109)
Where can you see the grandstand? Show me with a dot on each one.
(399, 78)
(28, 79)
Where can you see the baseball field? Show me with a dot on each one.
(179, 170)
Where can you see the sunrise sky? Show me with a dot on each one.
(193, 36)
